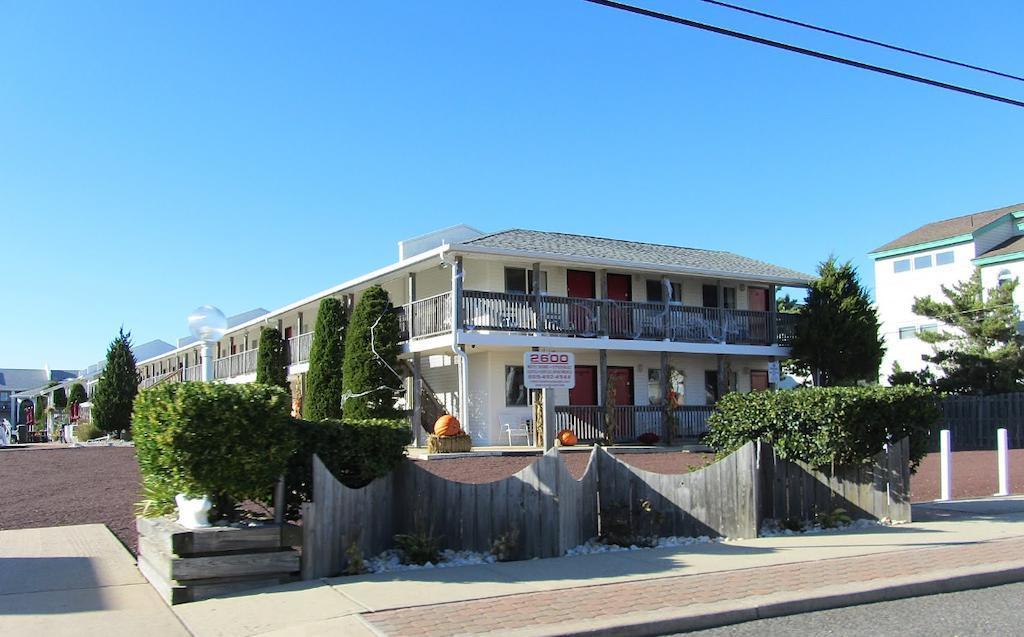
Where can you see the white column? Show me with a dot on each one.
(1004, 465)
(945, 466)
(207, 356)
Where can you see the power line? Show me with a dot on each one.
(858, 38)
(809, 52)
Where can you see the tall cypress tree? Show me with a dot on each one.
(369, 382)
(117, 387)
(324, 385)
(272, 359)
(77, 395)
(40, 414)
(60, 399)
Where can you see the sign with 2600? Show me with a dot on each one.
(549, 370)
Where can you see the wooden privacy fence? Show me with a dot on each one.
(551, 512)
(794, 490)
(973, 421)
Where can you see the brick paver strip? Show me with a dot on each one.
(609, 600)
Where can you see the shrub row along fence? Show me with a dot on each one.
(550, 512)
(973, 421)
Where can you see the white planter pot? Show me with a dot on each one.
(192, 512)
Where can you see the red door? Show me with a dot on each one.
(620, 288)
(757, 299)
(586, 422)
(580, 284)
(621, 380)
(585, 391)
(758, 380)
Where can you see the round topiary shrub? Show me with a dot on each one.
(230, 441)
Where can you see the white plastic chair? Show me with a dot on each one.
(523, 429)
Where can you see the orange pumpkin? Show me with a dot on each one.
(567, 438)
(447, 426)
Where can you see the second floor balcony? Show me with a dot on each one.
(566, 316)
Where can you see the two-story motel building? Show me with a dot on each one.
(647, 319)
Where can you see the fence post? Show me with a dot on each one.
(945, 466)
(1004, 469)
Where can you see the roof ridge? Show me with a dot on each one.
(590, 236)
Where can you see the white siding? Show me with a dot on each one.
(894, 296)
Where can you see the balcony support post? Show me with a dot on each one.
(458, 350)
(666, 414)
(773, 308)
(410, 322)
(602, 377)
(666, 291)
(603, 314)
(417, 400)
(723, 382)
(538, 317)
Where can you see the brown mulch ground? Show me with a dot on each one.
(63, 486)
(490, 468)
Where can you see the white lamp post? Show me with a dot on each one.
(207, 324)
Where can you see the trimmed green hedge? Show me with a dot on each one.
(356, 452)
(226, 441)
(826, 425)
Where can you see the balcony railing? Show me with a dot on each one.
(298, 348)
(622, 319)
(235, 365)
(427, 317)
(631, 421)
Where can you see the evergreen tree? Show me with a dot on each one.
(836, 337)
(60, 399)
(324, 384)
(77, 395)
(40, 415)
(117, 387)
(983, 353)
(371, 359)
(272, 358)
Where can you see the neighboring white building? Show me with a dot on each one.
(633, 313)
(945, 252)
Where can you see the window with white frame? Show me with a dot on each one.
(922, 262)
(908, 333)
(901, 265)
(944, 258)
(1005, 278)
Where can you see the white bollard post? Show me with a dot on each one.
(1004, 468)
(945, 466)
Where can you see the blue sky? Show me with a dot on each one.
(158, 156)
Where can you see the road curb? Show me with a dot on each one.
(718, 614)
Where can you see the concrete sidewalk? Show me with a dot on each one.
(959, 545)
(76, 580)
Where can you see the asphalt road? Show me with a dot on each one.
(983, 612)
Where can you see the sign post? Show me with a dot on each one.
(547, 371)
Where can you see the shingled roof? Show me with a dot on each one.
(948, 228)
(574, 246)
